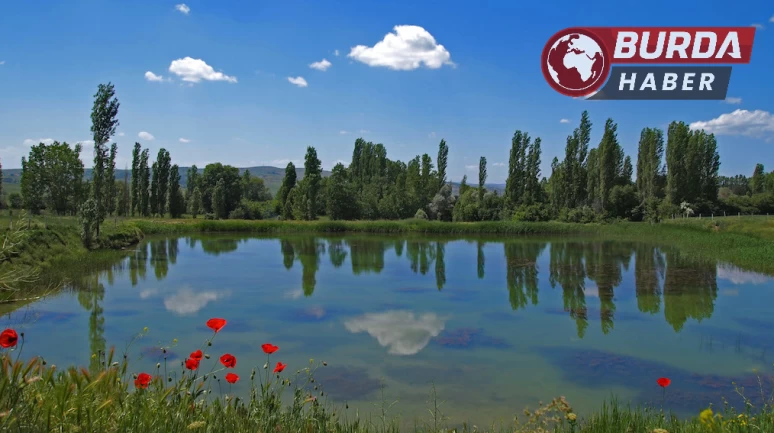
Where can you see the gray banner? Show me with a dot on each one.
(666, 82)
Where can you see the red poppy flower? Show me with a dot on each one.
(143, 380)
(228, 360)
(191, 364)
(269, 348)
(232, 378)
(8, 338)
(197, 355)
(663, 382)
(216, 324)
(280, 366)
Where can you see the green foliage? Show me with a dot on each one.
(218, 202)
(15, 200)
(104, 121)
(533, 212)
(442, 161)
(176, 200)
(582, 215)
(288, 183)
(88, 221)
(254, 188)
(312, 175)
(481, 178)
(442, 204)
(232, 188)
(195, 202)
(420, 215)
(342, 204)
(144, 183)
(622, 202)
(650, 170)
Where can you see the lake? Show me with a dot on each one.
(496, 325)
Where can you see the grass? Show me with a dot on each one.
(111, 397)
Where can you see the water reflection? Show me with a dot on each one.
(402, 332)
(662, 280)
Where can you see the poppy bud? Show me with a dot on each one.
(163, 350)
(44, 362)
(53, 366)
(174, 341)
(22, 335)
(322, 393)
(312, 380)
(315, 387)
(265, 366)
(346, 406)
(158, 364)
(134, 376)
(170, 380)
(214, 377)
(207, 356)
(209, 343)
(114, 364)
(325, 364)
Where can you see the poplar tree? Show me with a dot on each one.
(144, 191)
(649, 163)
(443, 157)
(481, 179)
(103, 126)
(312, 177)
(678, 135)
(110, 181)
(136, 178)
(288, 182)
(154, 189)
(608, 161)
(176, 203)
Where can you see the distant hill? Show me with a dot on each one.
(272, 176)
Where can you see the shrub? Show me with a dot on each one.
(420, 215)
(534, 212)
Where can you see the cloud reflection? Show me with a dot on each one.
(186, 301)
(403, 332)
(739, 276)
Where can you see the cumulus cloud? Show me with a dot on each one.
(184, 140)
(183, 8)
(322, 65)
(33, 142)
(402, 332)
(335, 53)
(87, 142)
(471, 167)
(364, 131)
(735, 101)
(408, 48)
(757, 124)
(146, 136)
(771, 20)
(150, 76)
(195, 70)
(498, 164)
(564, 120)
(298, 81)
(120, 134)
(343, 132)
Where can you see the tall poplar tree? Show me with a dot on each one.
(443, 158)
(312, 177)
(136, 178)
(145, 184)
(481, 179)
(288, 182)
(104, 120)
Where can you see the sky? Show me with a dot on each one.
(255, 82)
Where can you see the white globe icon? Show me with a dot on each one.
(582, 54)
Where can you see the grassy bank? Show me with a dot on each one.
(195, 395)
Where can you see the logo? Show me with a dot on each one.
(577, 62)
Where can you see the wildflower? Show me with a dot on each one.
(196, 355)
(232, 378)
(706, 416)
(158, 365)
(93, 356)
(663, 382)
(192, 364)
(174, 341)
(659, 430)
(206, 356)
(145, 329)
(216, 324)
(228, 360)
(280, 366)
(572, 417)
(142, 380)
(269, 348)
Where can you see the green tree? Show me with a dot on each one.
(254, 188)
(136, 178)
(758, 180)
(232, 182)
(219, 199)
(288, 183)
(88, 220)
(610, 154)
(342, 203)
(481, 178)
(650, 152)
(110, 181)
(517, 168)
(163, 166)
(312, 176)
(443, 158)
(195, 202)
(176, 200)
(532, 189)
(154, 189)
(145, 184)
(33, 180)
(678, 136)
(123, 200)
(464, 184)
(104, 121)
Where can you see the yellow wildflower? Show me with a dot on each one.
(196, 424)
(145, 329)
(174, 341)
(706, 416)
(659, 430)
(572, 417)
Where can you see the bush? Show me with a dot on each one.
(209, 216)
(237, 214)
(582, 215)
(535, 212)
(420, 215)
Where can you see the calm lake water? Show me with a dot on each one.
(496, 325)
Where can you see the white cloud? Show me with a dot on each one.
(194, 70)
(756, 124)
(471, 167)
(186, 301)
(771, 20)
(431, 135)
(564, 120)
(498, 164)
(87, 142)
(150, 76)
(33, 142)
(298, 81)
(343, 132)
(364, 131)
(183, 8)
(282, 162)
(184, 140)
(735, 101)
(757, 26)
(340, 161)
(121, 134)
(322, 65)
(336, 53)
(2, 62)
(739, 276)
(147, 293)
(146, 136)
(401, 331)
(406, 49)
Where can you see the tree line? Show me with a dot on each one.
(676, 174)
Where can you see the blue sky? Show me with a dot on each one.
(484, 83)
